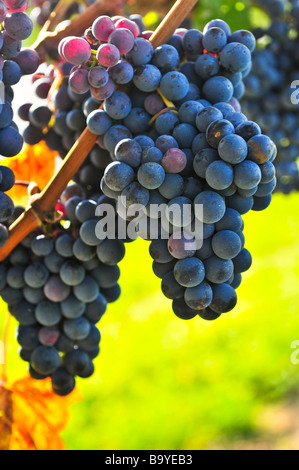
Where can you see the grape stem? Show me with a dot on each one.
(46, 200)
(23, 183)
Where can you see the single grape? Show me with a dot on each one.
(45, 360)
(56, 290)
(75, 50)
(123, 40)
(102, 27)
(108, 55)
(174, 85)
(189, 272)
(199, 297)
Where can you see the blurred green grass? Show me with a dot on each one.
(162, 383)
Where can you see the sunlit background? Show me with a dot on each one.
(164, 383)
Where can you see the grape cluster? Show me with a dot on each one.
(57, 287)
(269, 98)
(116, 51)
(230, 174)
(14, 62)
(177, 136)
(97, 57)
(170, 130)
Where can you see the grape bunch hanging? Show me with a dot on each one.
(268, 97)
(57, 284)
(178, 136)
(169, 130)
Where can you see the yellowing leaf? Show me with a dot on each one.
(36, 163)
(32, 416)
(5, 418)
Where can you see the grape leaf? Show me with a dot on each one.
(36, 163)
(5, 417)
(32, 417)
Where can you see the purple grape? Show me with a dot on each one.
(78, 81)
(174, 161)
(98, 77)
(48, 335)
(28, 60)
(18, 25)
(122, 73)
(11, 47)
(141, 53)
(102, 27)
(55, 289)
(153, 104)
(123, 39)
(125, 23)
(183, 246)
(108, 55)
(103, 93)
(75, 50)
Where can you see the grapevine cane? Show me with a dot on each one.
(44, 202)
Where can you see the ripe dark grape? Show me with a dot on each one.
(219, 175)
(199, 297)
(141, 53)
(218, 270)
(121, 73)
(226, 244)
(233, 149)
(147, 78)
(189, 272)
(128, 151)
(63, 383)
(122, 39)
(235, 57)
(214, 40)
(174, 86)
(76, 329)
(71, 273)
(224, 298)
(151, 175)
(45, 360)
(18, 25)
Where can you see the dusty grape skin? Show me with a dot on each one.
(75, 50)
(174, 161)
